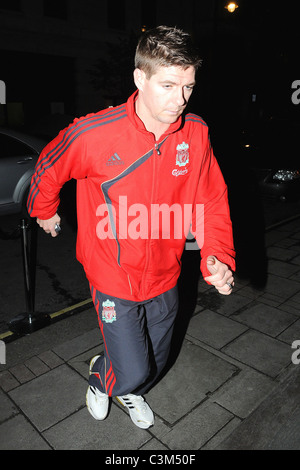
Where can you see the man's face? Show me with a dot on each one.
(164, 96)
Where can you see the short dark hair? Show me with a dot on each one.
(165, 46)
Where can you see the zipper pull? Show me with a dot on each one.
(157, 149)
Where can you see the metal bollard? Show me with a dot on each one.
(30, 321)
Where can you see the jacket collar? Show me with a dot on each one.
(138, 123)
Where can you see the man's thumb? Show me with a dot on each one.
(210, 262)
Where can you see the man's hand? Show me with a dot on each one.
(221, 276)
(49, 224)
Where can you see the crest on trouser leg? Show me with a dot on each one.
(108, 312)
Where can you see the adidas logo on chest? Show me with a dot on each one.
(114, 160)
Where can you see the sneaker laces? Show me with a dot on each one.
(137, 401)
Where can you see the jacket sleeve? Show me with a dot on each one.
(62, 159)
(211, 224)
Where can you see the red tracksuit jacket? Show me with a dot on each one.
(136, 198)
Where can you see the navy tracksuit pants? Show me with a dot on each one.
(137, 338)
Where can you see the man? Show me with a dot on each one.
(134, 165)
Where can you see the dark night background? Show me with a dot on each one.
(66, 58)
(74, 57)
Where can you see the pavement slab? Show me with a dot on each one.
(196, 373)
(275, 424)
(51, 397)
(265, 318)
(21, 435)
(197, 428)
(80, 431)
(243, 392)
(261, 352)
(214, 329)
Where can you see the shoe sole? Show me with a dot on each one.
(139, 424)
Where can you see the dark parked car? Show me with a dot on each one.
(272, 150)
(18, 155)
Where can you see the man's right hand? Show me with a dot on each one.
(49, 224)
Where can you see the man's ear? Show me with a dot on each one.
(139, 78)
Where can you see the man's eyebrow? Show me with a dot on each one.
(171, 82)
(168, 81)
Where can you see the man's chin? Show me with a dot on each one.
(170, 118)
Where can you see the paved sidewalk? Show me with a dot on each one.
(231, 384)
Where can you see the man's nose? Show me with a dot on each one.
(180, 98)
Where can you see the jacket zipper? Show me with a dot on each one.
(157, 149)
(107, 201)
(158, 152)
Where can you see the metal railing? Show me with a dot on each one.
(29, 321)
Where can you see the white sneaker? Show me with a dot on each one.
(140, 413)
(97, 402)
